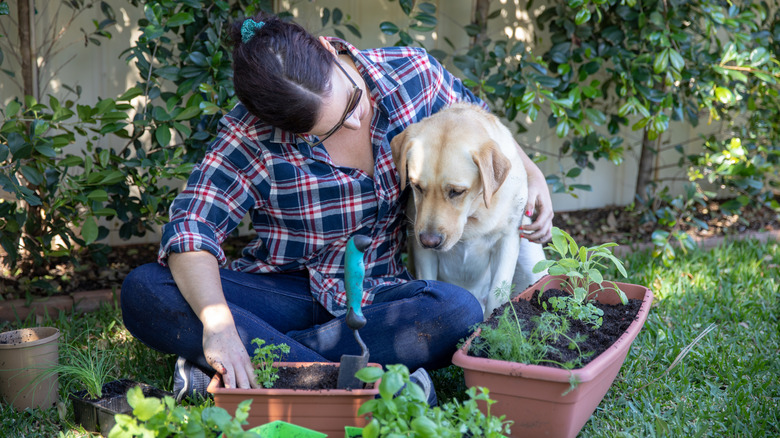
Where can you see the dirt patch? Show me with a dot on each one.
(588, 227)
(625, 226)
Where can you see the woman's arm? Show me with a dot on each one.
(197, 276)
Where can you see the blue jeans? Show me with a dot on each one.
(418, 323)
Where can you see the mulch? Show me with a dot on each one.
(588, 227)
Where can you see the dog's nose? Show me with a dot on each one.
(430, 240)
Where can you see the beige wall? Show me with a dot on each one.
(103, 72)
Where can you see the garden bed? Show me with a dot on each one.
(616, 320)
(589, 227)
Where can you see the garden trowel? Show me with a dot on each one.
(354, 271)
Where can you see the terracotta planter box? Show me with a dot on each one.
(327, 411)
(533, 395)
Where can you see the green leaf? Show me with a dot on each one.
(369, 374)
(89, 230)
(188, 113)
(676, 60)
(131, 93)
(163, 135)
(595, 276)
(542, 266)
(112, 178)
(661, 61)
(582, 16)
(759, 56)
(559, 243)
(180, 18)
(388, 28)
(391, 384)
(71, 160)
(32, 175)
(98, 195)
(13, 106)
(724, 95)
(209, 108)
(596, 116)
(104, 212)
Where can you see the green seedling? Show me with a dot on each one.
(581, 268)
(265, 373)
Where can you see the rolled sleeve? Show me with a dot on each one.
(189, 235)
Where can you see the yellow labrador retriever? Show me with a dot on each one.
(469, 193)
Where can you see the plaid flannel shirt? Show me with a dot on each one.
(303, 207)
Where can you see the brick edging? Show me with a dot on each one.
(83, 302)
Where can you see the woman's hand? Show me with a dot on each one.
(197, 276)
(225, 352)
(539, 203)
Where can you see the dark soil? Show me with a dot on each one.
(594, 226)
(616, 320)
(118, 389)
(314, 377)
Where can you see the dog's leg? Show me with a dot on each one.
(503, 262)
(529, 255)
(426, 263)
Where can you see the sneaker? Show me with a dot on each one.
(188, 379)
(422, 378)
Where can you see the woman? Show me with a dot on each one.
(306, 155)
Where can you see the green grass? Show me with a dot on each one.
(705, 364)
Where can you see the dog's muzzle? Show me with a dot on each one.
(431, 240)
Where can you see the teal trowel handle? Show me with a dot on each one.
(354, 272)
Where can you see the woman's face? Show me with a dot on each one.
(345, 106)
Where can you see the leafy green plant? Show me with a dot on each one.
(515, 340)
(403, 411)
(581, 268)
(85, 367)
(153, 417)
(264, 357)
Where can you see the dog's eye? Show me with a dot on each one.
(454, 193)
(416, 187)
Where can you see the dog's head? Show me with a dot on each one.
(455, 167)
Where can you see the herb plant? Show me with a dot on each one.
(402, 410)
(581, 268)
(87, 367)
(516, 340)
(153, 417)
(263, 359)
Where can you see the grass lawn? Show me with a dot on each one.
(705, 364)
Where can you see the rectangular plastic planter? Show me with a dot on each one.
(538, 398)
(327, 411)
(282, 429)
(98, 415)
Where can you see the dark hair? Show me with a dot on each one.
(281, 73)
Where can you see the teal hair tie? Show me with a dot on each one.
(249, 28)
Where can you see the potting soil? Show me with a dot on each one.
(315, 376)
(616, 320)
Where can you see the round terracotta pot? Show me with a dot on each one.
(26, 358)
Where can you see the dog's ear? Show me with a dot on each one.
(400, 148)
(493, 166)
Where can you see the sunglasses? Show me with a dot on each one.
(352, 104)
